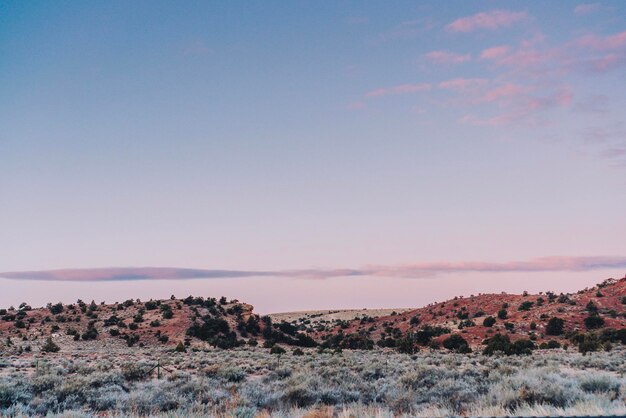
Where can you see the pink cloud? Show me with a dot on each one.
(605, 43)
(494, 52)
(462, 84)
(527, 58)
(584, 9)
(491, 20)
(519, 105)
(358, 105)
(558, 98)
(445, 57)
(504, 92)
(400, 89)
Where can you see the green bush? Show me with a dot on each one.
(489, 321)
(278, 350)
(50, 346)
(457, 343)
(594, 321)
(525, 306)
(555, 326)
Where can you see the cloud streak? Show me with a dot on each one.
(417, 270)
(399, 89)
(447, 58)
(491, 20)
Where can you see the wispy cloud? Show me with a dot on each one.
(495, 52)
(491, 20)
(417, 270)
(462, 84)
(399, 89)
(585, 9)
(446, 57)
(407, 29)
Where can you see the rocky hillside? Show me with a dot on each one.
(197, 322)
(540, 317)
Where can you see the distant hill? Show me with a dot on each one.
(518, 316)
(210, 322)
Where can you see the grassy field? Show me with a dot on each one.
(251, 382)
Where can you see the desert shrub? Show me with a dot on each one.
(278, 350)
(133, 372)
(457, 343)
(215, 331)
(297, 352)
(552, 344)
(594, 321)
(131, 340)
(586, 342)
(353, 341)
(299, 396)
(56, 308)
(180, 347)
(522, 346)
(555, 326)
(406, 344)
(133, 326)
(150, 305)
(232, 374)
(600, 383)
(502, 314)
(525, 306)
(50, 346)
(466, 324)
(91, 333)
(427, 333)
(489, 321)
(497, 343)
(155, 323)
(110, 321)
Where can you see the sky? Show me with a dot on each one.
(435, 149)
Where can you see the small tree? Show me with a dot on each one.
(50, 346)
(279, 351)
(489, 321)
(594, 321)
(456, 343)
(525, 306)
(555, 326)
(180, 348)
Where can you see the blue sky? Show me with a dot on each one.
(297, 135)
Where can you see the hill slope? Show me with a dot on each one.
(205, 323)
